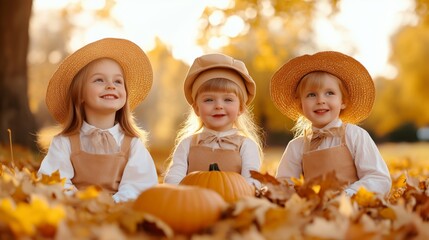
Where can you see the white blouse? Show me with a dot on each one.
(249, 155)
(139, 173)
(371, 169)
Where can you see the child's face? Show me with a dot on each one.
(322, 104)
(218, 110)
(104, 89)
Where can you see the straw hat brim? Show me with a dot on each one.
(352, 73)
(225, 62)
(132, 59)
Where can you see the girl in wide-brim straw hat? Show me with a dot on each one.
(220, 127)
(92, 95)
(327, 94)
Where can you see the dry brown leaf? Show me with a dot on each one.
(300, 206)
(324, 229)
(274, 190)
(264, 178)
(357, 232)
(346, 207)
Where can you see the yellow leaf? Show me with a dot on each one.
(298, 181)
(25, 218)
(364, 197)
(400, 182)
(388, 213)
(6, 177)
(316, 188)
(54, 178)
(89, 193)
(274, 218)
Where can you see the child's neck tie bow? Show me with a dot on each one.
(206, 138)
(102, 141)
(319, 135)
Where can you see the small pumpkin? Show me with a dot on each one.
(230, 185)
(186, 209)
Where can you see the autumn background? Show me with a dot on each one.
(389, 37)
(37, 35)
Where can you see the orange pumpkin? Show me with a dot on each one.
(186, 209)
(230, 185)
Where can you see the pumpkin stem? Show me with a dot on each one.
(213, 167)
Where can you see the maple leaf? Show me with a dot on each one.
(52, 179)
(400, 182)
(323, 187)
(264, 178)
(26, 218)
(274, 190)
(298, 181)
(300, 206)
(366, 198)
(88, 193)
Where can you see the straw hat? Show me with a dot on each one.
(354, 75)
(217, 65)
(134, 62)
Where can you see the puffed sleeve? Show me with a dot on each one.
(291, 162)
(371, 168)
(179, 165)
(58, 158)
(139, 173)
(251, 160)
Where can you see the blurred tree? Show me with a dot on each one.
(404, 100)
(385, 115)
(165, 107)
(411, 61)
(48, 46)
(14, 111)
(264, 34)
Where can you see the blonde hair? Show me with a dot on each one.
(314, 80)
(76, 111)
(244, 123)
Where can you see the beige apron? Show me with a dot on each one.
(228, 160)
(339, 159)
(104, 170)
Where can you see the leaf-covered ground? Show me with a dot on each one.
(34, 207)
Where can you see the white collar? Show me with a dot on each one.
(115, 130)
(335, 123)
(221, 134)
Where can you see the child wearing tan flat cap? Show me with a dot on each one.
(219, 128)
(92, 95)
(328, 93)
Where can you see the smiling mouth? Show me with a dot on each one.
(109, 97)
(321, 111)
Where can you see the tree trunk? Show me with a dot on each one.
(15, 113)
